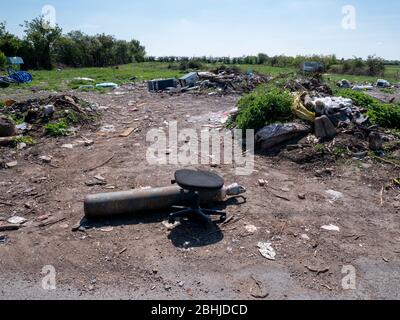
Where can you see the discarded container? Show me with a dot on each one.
(189, 80)
(162, 84)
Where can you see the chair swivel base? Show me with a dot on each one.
(201, 215)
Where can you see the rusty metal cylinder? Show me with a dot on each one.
(139, 201)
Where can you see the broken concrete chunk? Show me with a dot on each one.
(324, 128)
(7, 128)
(331, 227)
(46, 159)
(375, 141)
(334, 195)
(11, 164)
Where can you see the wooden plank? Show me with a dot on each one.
(127, 132)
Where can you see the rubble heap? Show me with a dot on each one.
(230, 80)
(34, 114)
(220, 81)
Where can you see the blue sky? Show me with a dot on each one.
(228, 27)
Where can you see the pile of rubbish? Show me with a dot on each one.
(324, 119)
(381, 83)
(222, 80)
(34, 114)
(313, 85)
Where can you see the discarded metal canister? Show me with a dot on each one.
(139, 201)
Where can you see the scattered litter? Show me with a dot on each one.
(95, 182)
(262, 182)
(107, 229)
(21, 145)
(3, 239)
(345, 84)
(108, 128)
(334, 195)
(251, 229)
(11, 164)
(317, 271)
(123, 250)
(9, 227)
(83, 79)
(43, 217)
(331, 227)
(266, 250)
(305, 237)
(9, 102)
(381, 83)
(46, 159)
(86, 87)
(127, 132)
(51, 222)
(67, 146)
(17, 220)
(100, 178)
(263, 294)
(275, 135)
(107, 85)
(363, 87)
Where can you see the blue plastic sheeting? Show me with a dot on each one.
(15, 60)
(21, 77)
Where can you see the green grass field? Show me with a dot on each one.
(63, 80)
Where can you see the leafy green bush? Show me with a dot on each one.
(57, 128)
(385, 115)
(3, 60)
(263, 107)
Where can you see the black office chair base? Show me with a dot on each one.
(201, 215)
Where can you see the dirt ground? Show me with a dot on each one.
(139, 258)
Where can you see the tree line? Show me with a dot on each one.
(373, 66)
(43, 47)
